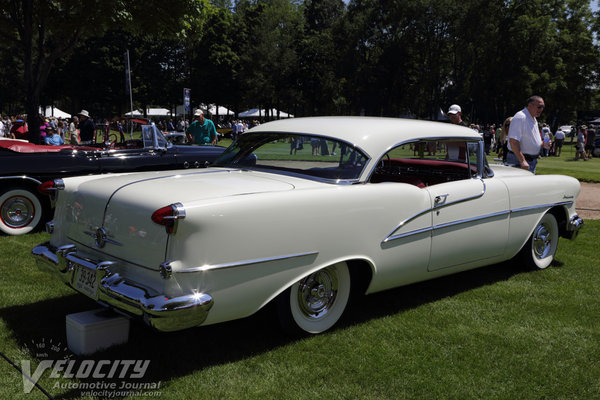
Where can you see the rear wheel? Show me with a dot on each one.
(20, 211)
(315, 303)
(540, 249)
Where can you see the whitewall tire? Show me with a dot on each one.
(314, 304)
(541, 247)
(20, 211)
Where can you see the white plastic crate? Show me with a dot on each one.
(94, 330)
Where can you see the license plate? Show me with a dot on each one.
(85, 281)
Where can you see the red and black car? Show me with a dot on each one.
(23, 166)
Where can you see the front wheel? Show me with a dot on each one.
(540, 249)
(315, 303)
(20, 211)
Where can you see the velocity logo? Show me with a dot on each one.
(97, 369)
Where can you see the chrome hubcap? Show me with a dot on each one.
(17, 212)
(542, 241)
(317, 293)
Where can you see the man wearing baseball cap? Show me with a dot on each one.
(202, 131)
(455, 115)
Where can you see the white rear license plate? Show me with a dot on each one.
(85, 281)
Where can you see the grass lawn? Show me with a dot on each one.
(493, 333)
(585, 171)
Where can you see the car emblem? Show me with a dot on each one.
(101, 237)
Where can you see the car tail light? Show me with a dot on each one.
(168, 216)
(49, 188)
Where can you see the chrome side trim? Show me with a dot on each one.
(576, 224)
(406, 234)
(549, 205)
(472, 219)
(25, 177)
(391, 235)
(246, 262)
(451, 203)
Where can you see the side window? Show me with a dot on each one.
(428, 162)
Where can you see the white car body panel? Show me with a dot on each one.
(248, 235)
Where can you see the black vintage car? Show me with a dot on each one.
(23, 166)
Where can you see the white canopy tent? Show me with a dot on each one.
(212, 109)
(256, 113)
(252, 113)
(150, 112)
(282, 114)
(54, 112)
(158, 112)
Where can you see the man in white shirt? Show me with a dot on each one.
(559, 139)
(524, 140)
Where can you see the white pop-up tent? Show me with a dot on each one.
(157, 112)
(252, 113)
(212, 109)
(54, 112)
(282, 114)
(255, 113)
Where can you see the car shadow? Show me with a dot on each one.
(178, 354)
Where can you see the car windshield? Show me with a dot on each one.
(152, 137)
(318, 157)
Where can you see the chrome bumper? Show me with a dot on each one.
(161, 312)
(575, 224)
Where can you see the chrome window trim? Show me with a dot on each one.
(235, 264)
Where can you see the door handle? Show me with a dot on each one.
(439, 199)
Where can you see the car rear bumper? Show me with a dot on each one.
(159, 311)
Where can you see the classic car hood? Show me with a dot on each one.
(123, 204)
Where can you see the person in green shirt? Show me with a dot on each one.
(202, 131)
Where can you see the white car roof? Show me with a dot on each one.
(374, 135)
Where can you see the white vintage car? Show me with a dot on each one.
(301, 212)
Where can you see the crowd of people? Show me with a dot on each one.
(521, 141)
(53, 130)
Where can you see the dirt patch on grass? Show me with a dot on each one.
(588, 201)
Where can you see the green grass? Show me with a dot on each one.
(493, 333)
(585, 171)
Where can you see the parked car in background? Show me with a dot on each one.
(26, 165)
(569, 130)
(302, 213)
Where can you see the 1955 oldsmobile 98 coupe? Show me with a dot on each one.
(302, 212)
(26, 165)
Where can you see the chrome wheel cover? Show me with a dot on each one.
(317, 293)
(17, 212)
(542, 241)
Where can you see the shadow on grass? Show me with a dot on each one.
(178, 354)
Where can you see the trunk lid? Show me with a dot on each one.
(111, 214)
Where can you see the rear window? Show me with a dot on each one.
(318, 157)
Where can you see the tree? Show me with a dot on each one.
(43, 31)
